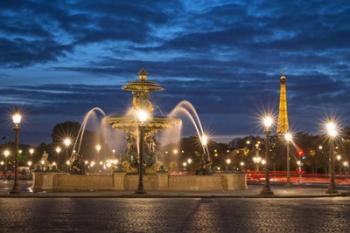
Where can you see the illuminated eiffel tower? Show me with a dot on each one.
(282, 124)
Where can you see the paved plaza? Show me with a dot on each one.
(240, 211)
(29, 215)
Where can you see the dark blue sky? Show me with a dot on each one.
(58, 59)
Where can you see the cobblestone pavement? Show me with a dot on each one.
(174, 215)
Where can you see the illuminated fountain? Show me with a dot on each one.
(145, 133)
(141, 90)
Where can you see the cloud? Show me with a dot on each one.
(224, 56)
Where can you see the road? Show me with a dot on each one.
(174, 215)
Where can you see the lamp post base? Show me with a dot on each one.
(331, 190)
(15, 190)
(140, 191)
(266, 191)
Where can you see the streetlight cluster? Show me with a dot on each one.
(331, 129)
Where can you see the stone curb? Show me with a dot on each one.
(172, 196)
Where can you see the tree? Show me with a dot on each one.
(65, 129)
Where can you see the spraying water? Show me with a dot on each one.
(186, 108)
(88, 115)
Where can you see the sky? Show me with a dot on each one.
(58, 59)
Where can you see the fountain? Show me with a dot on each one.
(141, 90)
(154, 178)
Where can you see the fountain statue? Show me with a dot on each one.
(141, 90)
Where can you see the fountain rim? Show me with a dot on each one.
(142, 85)
(157, 122)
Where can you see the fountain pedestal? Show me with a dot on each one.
(120, 181)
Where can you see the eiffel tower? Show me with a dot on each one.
(282, 124)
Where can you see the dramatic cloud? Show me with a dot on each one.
(60, 58)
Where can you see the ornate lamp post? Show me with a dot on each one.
(16, 119)
(267, 123)
(332, 131)
(204, 164)
(289, 138)
(66, 142)
(143, 117)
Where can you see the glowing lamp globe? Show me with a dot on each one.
(289, 137)
(142, 115)
(17, 118)
(331, 129)
(98, 147)
(67, 142)
(58, 150)
(267, 122)
(204, 140)
(6, 153)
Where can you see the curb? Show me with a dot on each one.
(176, 196)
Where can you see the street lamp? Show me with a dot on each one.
(300, 164)
(289, 138)
(66, 142)
(58, 150)
(184, 165)
(267, 122)
(98, 148)
(6, 154)
(257, 160)
(332, 132)
(142, 116)
(189, 160)
(16, 119)
(31, 151)
(204, 165)
(338, 157)
(228, 161)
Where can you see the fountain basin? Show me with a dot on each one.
(129, 123)
(120, 181)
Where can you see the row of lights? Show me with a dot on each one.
(6, 153)
(331, 129)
